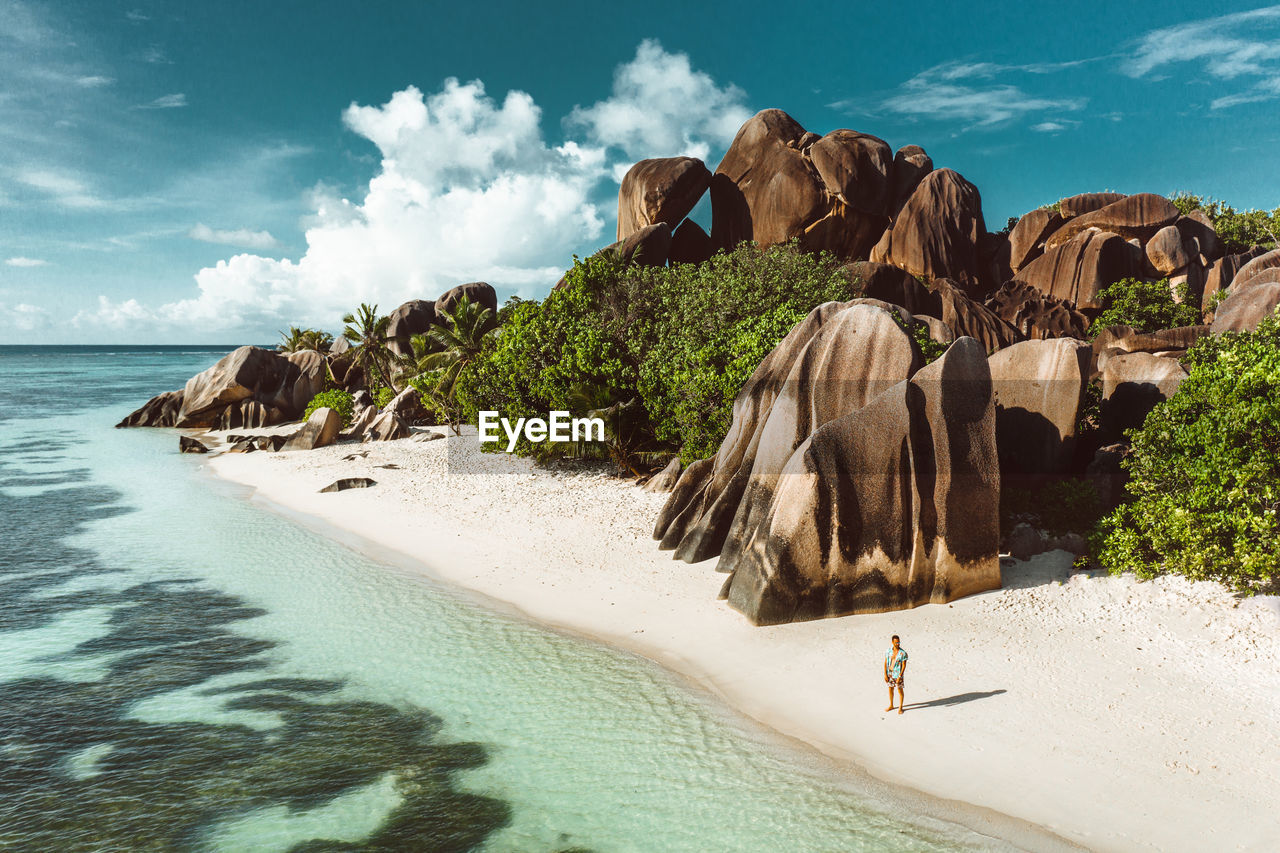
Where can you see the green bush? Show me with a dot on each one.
(382, 395)
(1147, 306)
(681, 339)
(1205, 472)
(1238, 229)
(339, 401)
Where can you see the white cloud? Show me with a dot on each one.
(468, 189)
(1048, 126)
(64, 189)
(662, 107)
(165, 102)
(25, 262)
(960, 92)
(94, 81)
(235, 237)
(1228, 47)
(23, 317)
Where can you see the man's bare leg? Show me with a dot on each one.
(901, 706)
(890, 708)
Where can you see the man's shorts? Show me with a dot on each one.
(898, 682)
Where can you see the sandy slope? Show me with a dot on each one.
(1120, 715)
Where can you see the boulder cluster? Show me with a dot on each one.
(854, 477)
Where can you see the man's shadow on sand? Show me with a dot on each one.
(958, 699)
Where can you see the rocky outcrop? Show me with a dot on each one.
(665, 480)
(1026, 240)
(1132, 385)
(1038, 387)
(1132, 217)
(1256, 267)
(1224, 270)
(1078, 205)
(477, 292)
(887, 507)
(247, 374)
(1166, 252)
(891, 284)
(386, 427)
(778, 182)
(313, 371)
(910, 164)
(414, 317)
(187, 444)
(161, 410)
(690, 244)
(347, 483)
(1080, 269)
(407, 405)
(968, 318)
(249, 414)
(1199, 236)
(320, 430)
(1037, 315)
(937, 232)
(660, 190)
(1245, 307)
(833, 362)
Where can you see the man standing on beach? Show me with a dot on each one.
(895, 671)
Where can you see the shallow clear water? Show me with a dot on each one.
(180, 669)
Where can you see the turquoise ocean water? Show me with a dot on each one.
(183, 670)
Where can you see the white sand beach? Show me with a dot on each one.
(1117, 714)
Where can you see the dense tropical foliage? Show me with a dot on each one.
(1147, 306)
(679, 341)
(297, 340)
(1205, 472)
(1238, 229)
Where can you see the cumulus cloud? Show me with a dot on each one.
(25, 262)
(661, 107)
(468, 189)
(23, 317)
(968, 94)
(236, 237)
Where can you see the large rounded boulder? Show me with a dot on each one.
(887, 507)
(247, 374)
(660, 190)
(414, 317)
(1038, 387)
(833, 362)
(938, 231)
(778, 182)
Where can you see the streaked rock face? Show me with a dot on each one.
(938, 231)
(1038, 387)
(833, 362)
(1080, 269)
(1132, 217)
(246, 374)
(888, 507)
(852, 480)
(160, 411)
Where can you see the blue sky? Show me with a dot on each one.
(213, 172)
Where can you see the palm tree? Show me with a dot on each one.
(297, 340)
(367, 333)
(451, 347)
